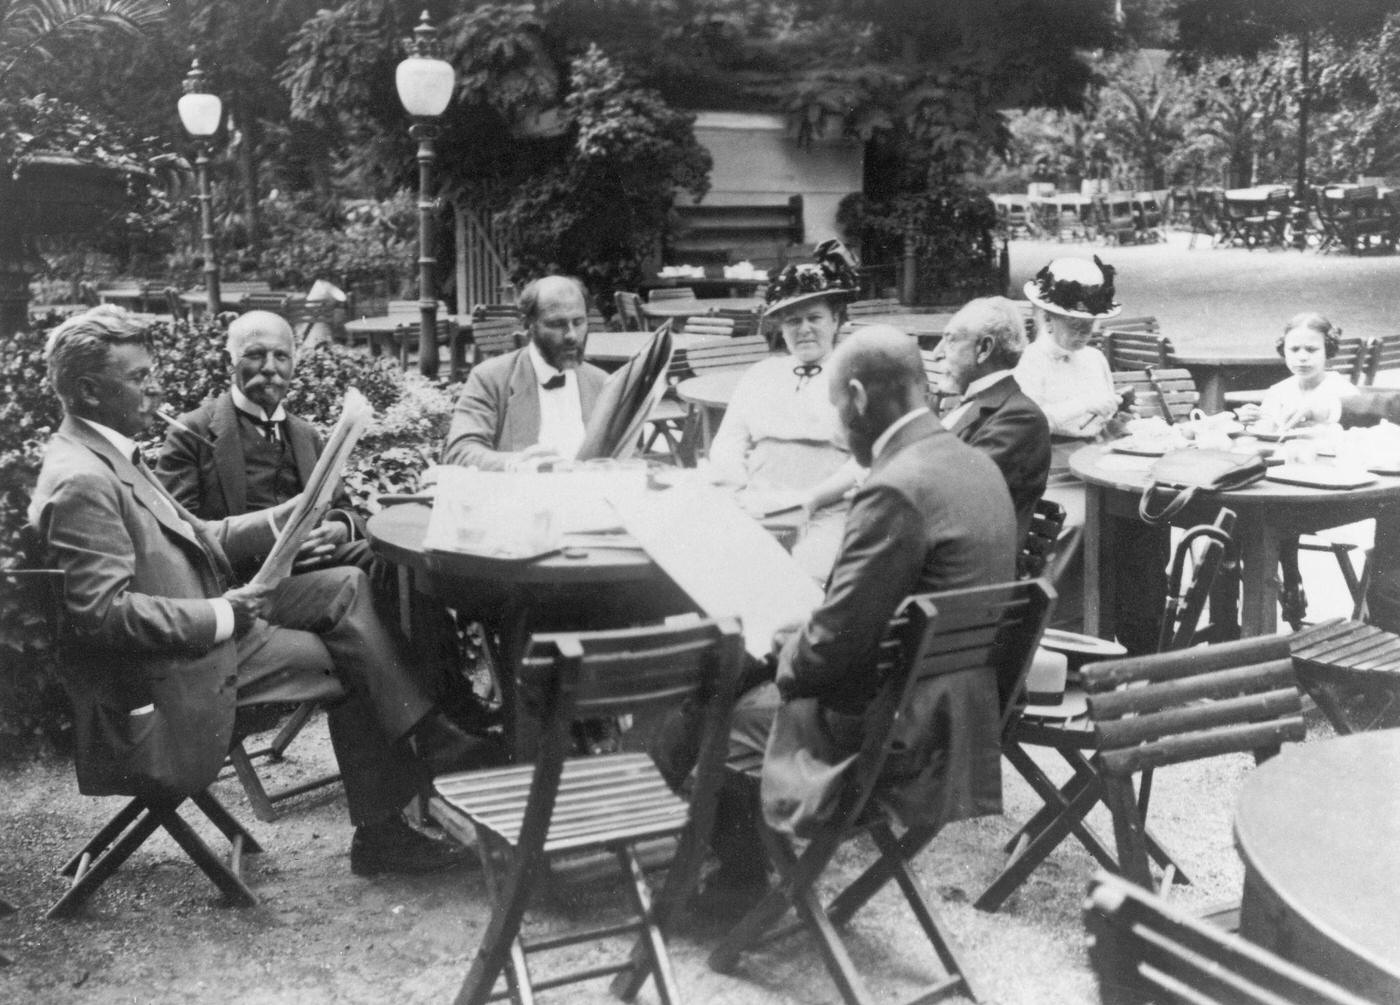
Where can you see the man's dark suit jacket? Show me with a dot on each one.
(498, 412)
(139, 575)
(212, 482)
(1008, 426)
(913, 529)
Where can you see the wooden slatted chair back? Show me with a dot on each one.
(708, 324)
(629, 311)
(1351, 359)
(483, 312)
(735, 354)
(1169, 393)
(883, 305)
(1142, 949)
(661, 293)
(1130, 350)
(745, 322)
(496, 337)
(524, 814)
(1146, 323)
(1173, 707)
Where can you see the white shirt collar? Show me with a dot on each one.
(241, 402)
(543, 371)
(883, 440)
(125, 445)
(982, 383)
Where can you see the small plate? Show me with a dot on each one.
(1321, 476)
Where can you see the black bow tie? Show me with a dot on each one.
(554, 383)
(270, 428)
(806, 372)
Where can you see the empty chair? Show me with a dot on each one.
(1352, 671)
(973, 631)
(1165, 392)
(698, 425)
(496, 337)
(1144, 950)
(1383, 357)
(520, 817)
(1063, 729)
(1133, 350)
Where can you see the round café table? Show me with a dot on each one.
(927, 328)
(610, 350)
(710, 305)
(707, 396)
(1216, 371)
(1269, 513)
(1318, 828)
(592, 583)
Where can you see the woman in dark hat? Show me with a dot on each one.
(779, 430)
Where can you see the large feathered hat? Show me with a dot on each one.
(831, 274)
(1075, 288)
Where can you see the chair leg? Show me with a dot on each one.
(226, 822)
(225, 877)
(935, 931)
(90, 872)
(252, 784)
(1129, 831)
(877, 874)
(1020, 867)
(763, 915)
(500, 944)
(838, 960)
(1057, 800)
(109, 832)
(657, 960)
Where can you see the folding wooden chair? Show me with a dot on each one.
(1143, 950)
(708, 324)
(883, 305)
(1339, 656)
(40, 592)
(987, 629)
(735, 354)
(496, 337)
(1133, 350)
(1064, 807)
(521, 816)
(1166, 392)
(1169, 708)
(1042, 541)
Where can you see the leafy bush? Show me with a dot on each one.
(951, 227)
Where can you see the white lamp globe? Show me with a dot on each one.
(200, 113)
(425, 85)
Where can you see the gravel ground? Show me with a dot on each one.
(156, 932)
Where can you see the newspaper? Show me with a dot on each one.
(316, 496)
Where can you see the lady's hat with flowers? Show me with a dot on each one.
(831, 274)
(1075, 288)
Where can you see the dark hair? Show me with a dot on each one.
(80, 346)
(1313, 321)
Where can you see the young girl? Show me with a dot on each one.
(1309, 340)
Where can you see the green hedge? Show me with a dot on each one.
(411, 418)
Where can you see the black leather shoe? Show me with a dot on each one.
(393, 846)
(443, 747)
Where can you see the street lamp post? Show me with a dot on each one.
(425, 84)
(200, 113)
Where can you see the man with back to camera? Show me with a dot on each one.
(910, 529)
(974, 359)
(530, 407)
(161, 649)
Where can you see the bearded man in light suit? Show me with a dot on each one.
(530, 407)
(162, 647)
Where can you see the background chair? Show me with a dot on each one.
(955, 632)
(1064, 807)
(1143, 950)
(883, 305)
(1383, 357)
(521, 816)
(629, 311)
(1339, 657)
(661, 293)
(1134, 350)
(495, 337)
(1165, 392)
(708, 324)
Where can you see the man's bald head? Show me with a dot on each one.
(877, 377)
(263, 351)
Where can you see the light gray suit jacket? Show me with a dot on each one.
(498, 412)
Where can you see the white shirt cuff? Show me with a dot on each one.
(223, 619)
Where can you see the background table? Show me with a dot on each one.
(1269, 513)
(610, 350)
(685, 308)
(1216, 371)
(388, 324)
(1318, 828)
(705, 286)
(708, 396)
